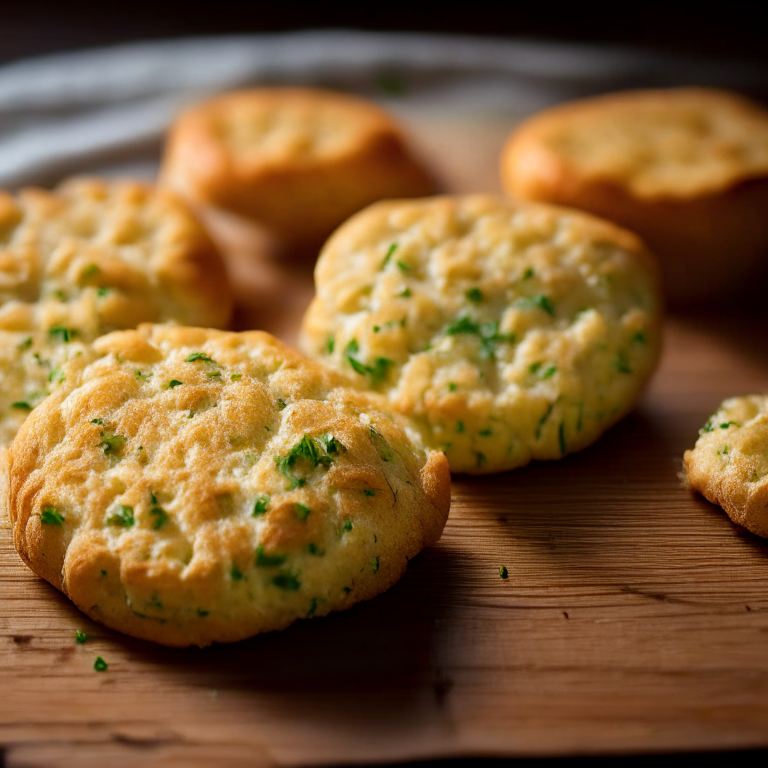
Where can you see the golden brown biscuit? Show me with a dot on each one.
(729, 464)
(296, 161)
(196, 486)
(687, 169)
(505, 331)
(88, 258)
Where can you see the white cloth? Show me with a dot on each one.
(101, 109)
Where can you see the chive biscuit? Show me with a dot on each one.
(729, 463)
(296, 161)
(506, 331)
(92, 257)
(195, 486)
(687, 169)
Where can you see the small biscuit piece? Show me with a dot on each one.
(92, 257)
(195, 486)
(505, 331)
(296, 161)
(729, 463)
(687, 169)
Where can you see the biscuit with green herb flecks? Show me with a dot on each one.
(194, 486)
(729, 463)
(505, 331)
(91, 257)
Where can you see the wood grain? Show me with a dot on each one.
(634, 618)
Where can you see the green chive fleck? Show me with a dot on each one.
(536, 302)
(503, 572)
(260, 505)
(22, 405)
(174, 383)
(100, 665)
(51, 516)
(488, 333)
(549, 372)
(112, 444)
(316, 451)
(375, 564)
(392, 248)
(65, 334)
(80, 637)
(124, 518)
(288, 581)
(475, 295)
(302, 512)
(199, 356)
(621, 363)
(264, 560)
(369, 492)
(159, 516)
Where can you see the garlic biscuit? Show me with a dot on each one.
(91, 257)
(729, 463)
(195, 486)
(505, 331)
(687, 169)
(296, 161)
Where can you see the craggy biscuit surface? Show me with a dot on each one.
(729, 464)
(298, 161)
(687, 169)
(88, 258)
(505, 331)
(193, 486)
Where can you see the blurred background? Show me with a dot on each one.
(711, 31)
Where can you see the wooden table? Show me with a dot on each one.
(634, 618)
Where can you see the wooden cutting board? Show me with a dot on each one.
(634, 618)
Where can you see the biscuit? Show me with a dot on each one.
(195, 486)
(729, 463)
(92, 257)
(686, 169)
(296, 161)
(505, 331)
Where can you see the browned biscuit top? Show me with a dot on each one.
(676, 143)
(296, 160)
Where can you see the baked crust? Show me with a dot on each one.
(504, 331)
(156, 488)
(687, 169)
(88, 258)
(729, 463)
(296, 161)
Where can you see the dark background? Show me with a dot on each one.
(714, 31)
